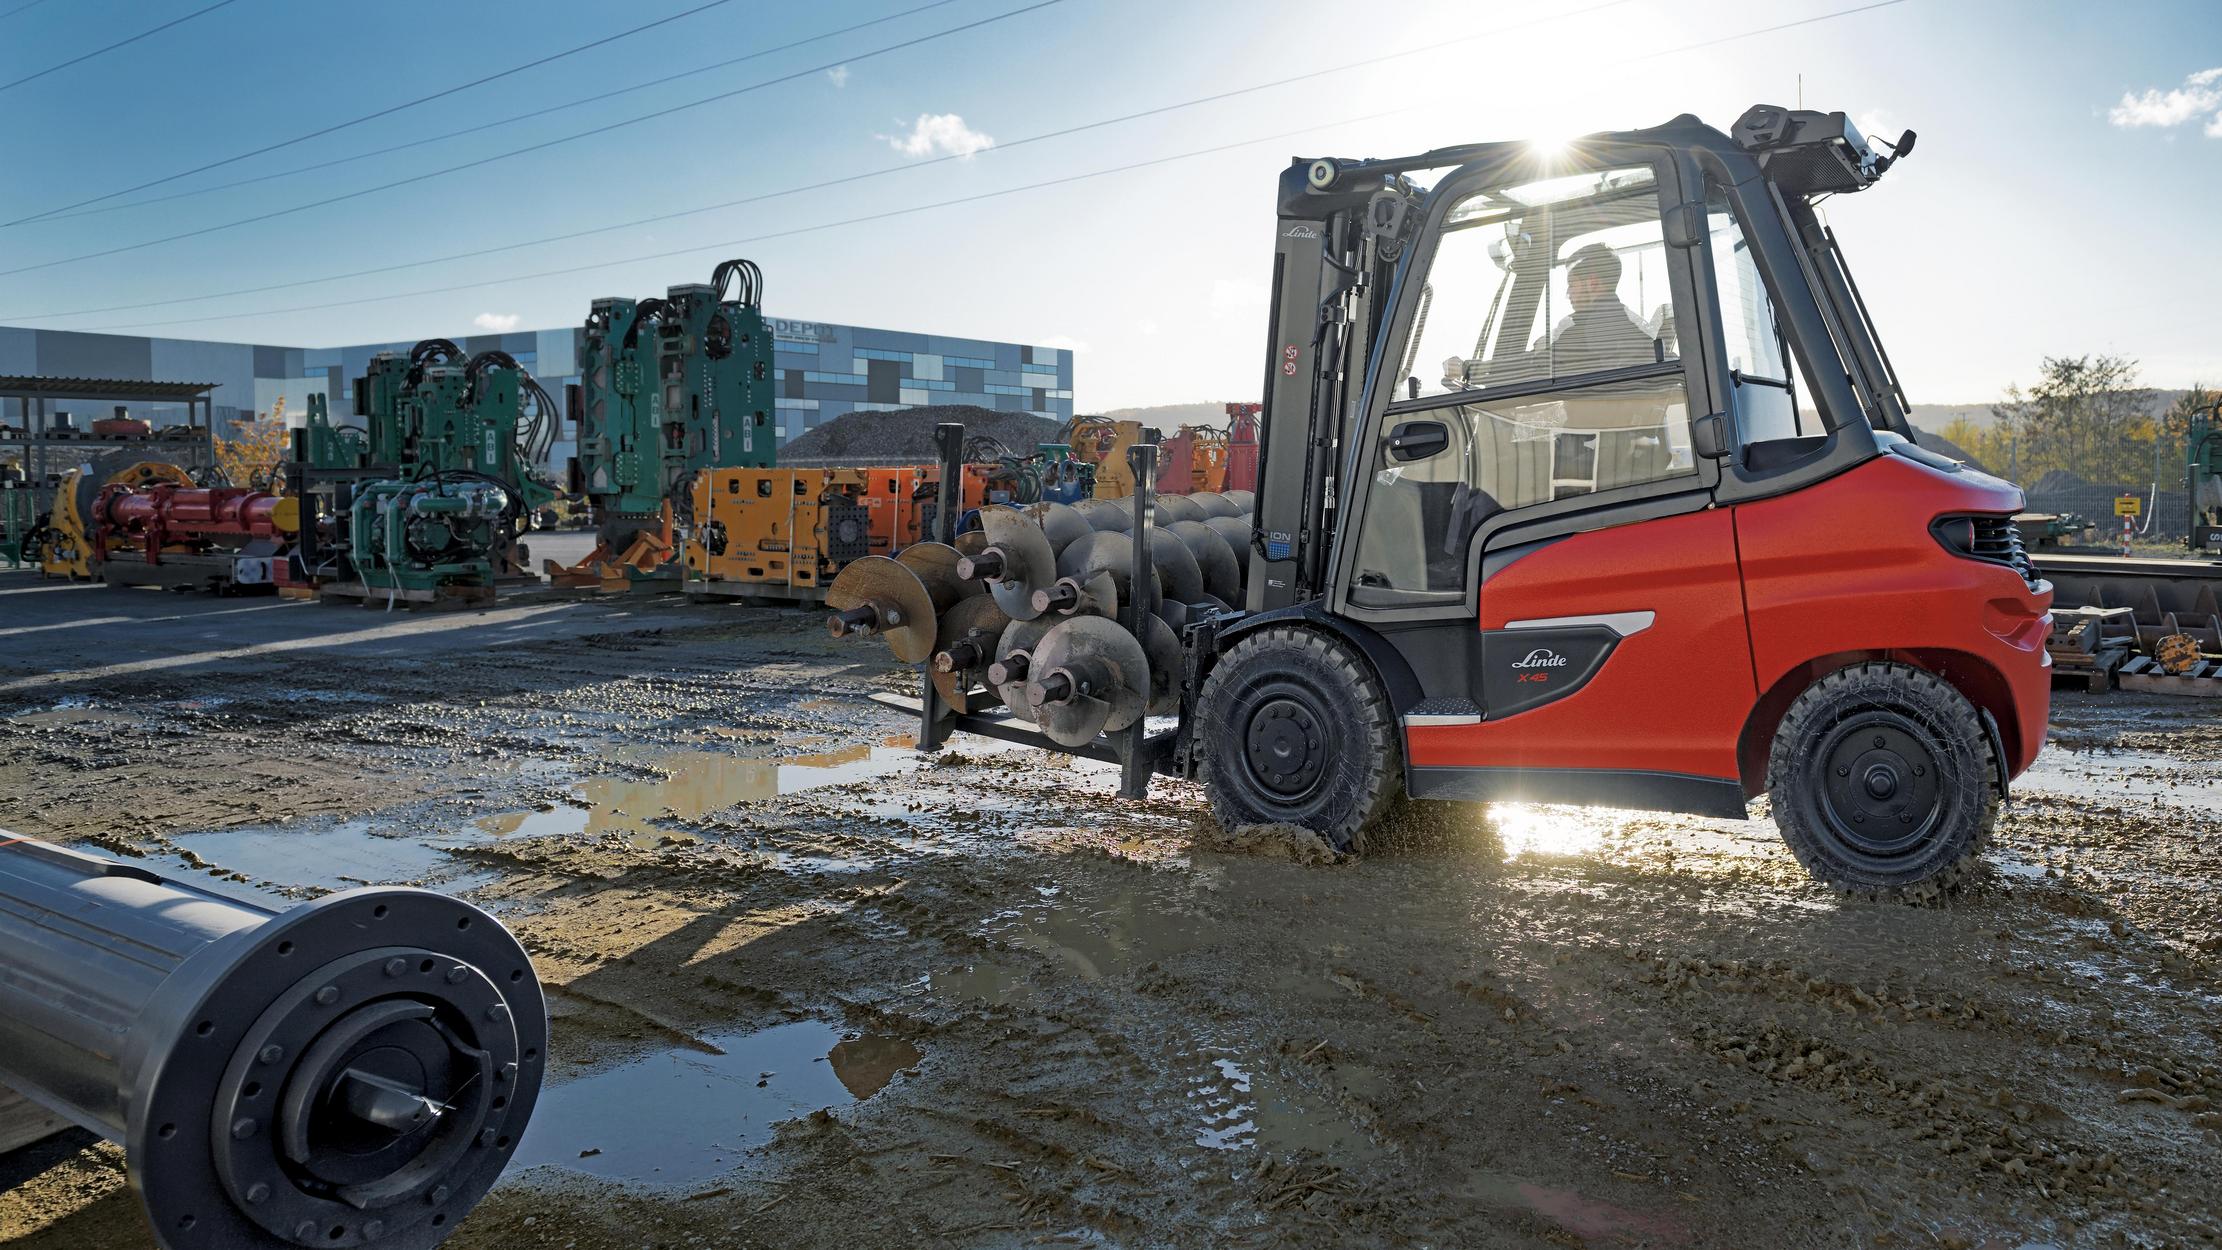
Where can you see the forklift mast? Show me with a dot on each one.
(1335, 252)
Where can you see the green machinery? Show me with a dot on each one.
(430, 490)
(19, 521)
(2204, 481)
(669, 388)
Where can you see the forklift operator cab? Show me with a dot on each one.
(1614, 501)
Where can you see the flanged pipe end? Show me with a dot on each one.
(307, 1094)
(987, 565)
(1062, 597)
(862, 621)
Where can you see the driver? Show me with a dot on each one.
(1601, 333)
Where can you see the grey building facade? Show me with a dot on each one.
(824, 371)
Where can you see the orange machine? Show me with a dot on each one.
(776, 534)
(1242, 446)
(1103, 444)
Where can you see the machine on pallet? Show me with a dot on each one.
(1541, 545)
(166, 532)
(780, 535)
(21, 519)
(670, 388)
(352, 1071)
(2203, 481)
(429, 495)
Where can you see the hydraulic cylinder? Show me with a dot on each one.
(351, 1071)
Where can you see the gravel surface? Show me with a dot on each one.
(907, 436)
(812, 990)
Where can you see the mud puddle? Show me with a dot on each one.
(685, 1115)
(694, 785)
(2084, 773)
(333, 857)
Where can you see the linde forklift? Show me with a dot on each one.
(1584, 479)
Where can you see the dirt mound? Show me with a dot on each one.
(1288, 842)
(906, 436)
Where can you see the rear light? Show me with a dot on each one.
(1990, 539)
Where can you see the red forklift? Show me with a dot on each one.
(1584, 478)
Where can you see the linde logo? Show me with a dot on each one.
(1301, 232)
(1542, 657)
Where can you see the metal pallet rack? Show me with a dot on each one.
(45, 453)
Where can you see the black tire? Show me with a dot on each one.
(1295, 730)
(1882, 781)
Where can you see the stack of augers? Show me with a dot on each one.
(1055, 625)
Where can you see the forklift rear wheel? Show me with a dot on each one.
(1298, 732)
(1881, 781)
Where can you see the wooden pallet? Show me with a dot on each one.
(2084, 671)
(2145, 675)
(446, 598)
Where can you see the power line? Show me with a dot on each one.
(28, 4)
(658, 81)
(867, 218)
(728, 244)
(1433, 46)
(79, 60)
(920, 208)
(501, 156)
(407, 104)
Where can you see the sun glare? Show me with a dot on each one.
(1534, 829)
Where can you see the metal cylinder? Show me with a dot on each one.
(355, 1070)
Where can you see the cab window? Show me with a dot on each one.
(1542, 366)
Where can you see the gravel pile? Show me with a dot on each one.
(907, 436)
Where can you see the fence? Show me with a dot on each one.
(2165, 515)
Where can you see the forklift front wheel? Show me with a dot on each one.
(1880, 778)
(1297, 732)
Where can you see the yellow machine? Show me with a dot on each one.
(1103, 444)
(779, 535)
(67, 548)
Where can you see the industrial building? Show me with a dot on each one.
(825, 371)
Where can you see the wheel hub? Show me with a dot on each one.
(1283, 746)
(1879, 787)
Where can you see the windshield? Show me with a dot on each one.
(1545, 280)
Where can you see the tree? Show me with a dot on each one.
(2084, 415)
(251, 453)
(2172, 450)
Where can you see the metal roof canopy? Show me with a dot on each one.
(48, 449)
(113, 389)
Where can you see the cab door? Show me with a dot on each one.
(1533, 524)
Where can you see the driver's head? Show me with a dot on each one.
(1592, 276)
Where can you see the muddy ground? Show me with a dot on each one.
(812, 990)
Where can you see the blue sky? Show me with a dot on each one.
(2053, 205)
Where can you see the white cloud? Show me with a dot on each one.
(939, 134)
(498, 323)
(1147, 326)
(839, 74)
(2200, 96)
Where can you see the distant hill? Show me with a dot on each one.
(1937, 416)
(1171, 417)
